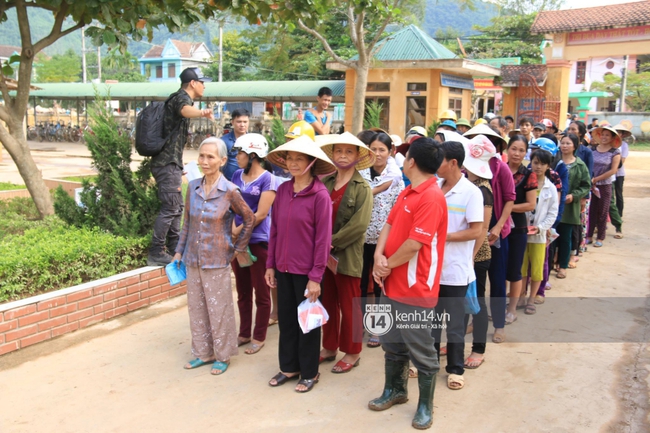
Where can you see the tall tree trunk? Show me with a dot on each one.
(359, 106)
(16, 145)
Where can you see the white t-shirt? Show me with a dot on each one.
(464, 206)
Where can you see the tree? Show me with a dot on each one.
(637, 91)
(113, 23)
(239, 56)
(508, 36)
(518, 7)
(61, 68)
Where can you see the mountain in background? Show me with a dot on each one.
(439, 15)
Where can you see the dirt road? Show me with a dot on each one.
(565, 369)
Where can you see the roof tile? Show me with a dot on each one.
(594, 18)
(510, 74)
(411, 43)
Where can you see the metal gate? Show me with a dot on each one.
(533, 102)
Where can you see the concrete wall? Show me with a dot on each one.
(613, 118)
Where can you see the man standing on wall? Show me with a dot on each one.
(167, 166)
(318, 117)
(240, 121)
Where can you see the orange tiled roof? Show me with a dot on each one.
(595, 18)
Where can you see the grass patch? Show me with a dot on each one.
(642, 146)
(8, 186)
(91, 178)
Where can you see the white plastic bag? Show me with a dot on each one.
(311, 315)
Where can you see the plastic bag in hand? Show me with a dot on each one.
(311, 315)
(176, 272)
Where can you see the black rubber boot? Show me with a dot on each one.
(395, 387)
(424, 414)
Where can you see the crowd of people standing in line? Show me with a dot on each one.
(328, 216)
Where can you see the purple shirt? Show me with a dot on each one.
(603, 163)
(251, 192)
(301, 230)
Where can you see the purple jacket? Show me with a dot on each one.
(503, 188)
(301, 230)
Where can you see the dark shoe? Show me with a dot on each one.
(424, 414)
(308, 383)
(160, 259)
(395, 387)
(281, 379)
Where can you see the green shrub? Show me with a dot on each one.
(118, 201)
(276, 137)
(372, 118)
(54, 255)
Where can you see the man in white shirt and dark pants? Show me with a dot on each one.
(464, 227)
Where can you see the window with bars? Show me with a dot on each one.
(581, 72)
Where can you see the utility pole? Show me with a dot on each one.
(83, 53)
(220, 51)
(624, 83)
(99, 65)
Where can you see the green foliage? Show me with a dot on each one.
(508, 36)
(276, 138)
(239, 56)
(61, 68)
(431, 129)
(52, 256)
(372, 119)
(118, 201)
(8, 186)
(637, 89)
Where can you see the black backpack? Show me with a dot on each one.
(149, 140)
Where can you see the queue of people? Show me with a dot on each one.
(340, 226)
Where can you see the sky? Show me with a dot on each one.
(577, 4)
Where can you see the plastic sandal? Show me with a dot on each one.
(219, 366)
(618, 235)
(197, 363)
(254, 349)
(281, 379)
(373, 342)
(308, 383)
(530, 309)
(344, 367)
(598, 244)
(455, 381)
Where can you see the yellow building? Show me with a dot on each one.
(580, 34)
(415, 78)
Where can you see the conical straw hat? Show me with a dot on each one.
(327, 142)
(306, 145)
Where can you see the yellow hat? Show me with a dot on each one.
(300, 128)
(480, 121)
(448, 114)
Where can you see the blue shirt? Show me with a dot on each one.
(231, 166)
(310, 118)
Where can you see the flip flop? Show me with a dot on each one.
(561, 274)
(413, 373)
(443, 351)
(572, 265)
(281, 379)
(219, 366)
(197, 363)
(309, 383)
(373, 342)
(598, 244)
(254, 349)
(273, 322)
(474, 361)
(344, 367)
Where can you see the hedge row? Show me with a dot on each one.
(40, 256)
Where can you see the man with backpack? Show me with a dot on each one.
(167, 166)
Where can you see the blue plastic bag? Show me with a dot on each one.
(471, 300)
(175, 273)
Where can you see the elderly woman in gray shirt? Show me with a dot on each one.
(206, 247)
